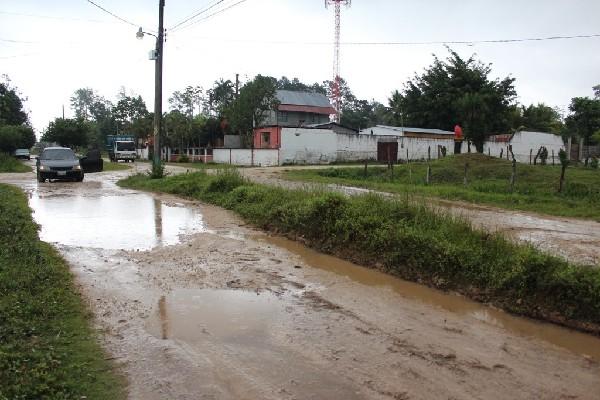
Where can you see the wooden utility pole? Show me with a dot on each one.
(158, 70)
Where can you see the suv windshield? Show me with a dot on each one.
(58, 154)
(125, 146)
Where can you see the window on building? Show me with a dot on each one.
(266, 138)
(283, 116)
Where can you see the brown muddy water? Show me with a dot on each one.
(130, 220)
(574, 341)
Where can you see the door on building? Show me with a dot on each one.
(387, 151)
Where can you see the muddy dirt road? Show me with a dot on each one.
(574, 239)
(194, 304)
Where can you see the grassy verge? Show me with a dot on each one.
(409, 241)
(11, 164)
(198, 165)
(113, 166)
(488, 183)
(47, 349)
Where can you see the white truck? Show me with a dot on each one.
(121, 147)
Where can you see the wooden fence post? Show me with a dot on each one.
(465, 181)
(530, 155)
(552, 156)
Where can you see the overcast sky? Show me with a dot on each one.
(51, 48)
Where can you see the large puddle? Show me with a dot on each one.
(574, 341)
(234, 316)
(130, 221)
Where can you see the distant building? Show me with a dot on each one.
(402, 131)
(296, 109)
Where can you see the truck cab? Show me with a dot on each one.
(121, 148)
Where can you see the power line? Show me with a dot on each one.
(55, 17)
(113, 14)
(535, 39)
(467, 42)
(213, 14)
(195, 14)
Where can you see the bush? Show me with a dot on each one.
(10, 164)
(183, 159)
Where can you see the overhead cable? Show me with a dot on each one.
(213, 14)
(195, 14)
(112, 14)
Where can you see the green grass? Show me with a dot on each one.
(113, 166)
(198, 165)
(47, 349)
(10, 164)
(488, 183)
(407, 240)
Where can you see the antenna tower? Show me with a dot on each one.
(336, 90)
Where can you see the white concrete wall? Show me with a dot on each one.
(523, 142)
(256, 157)
(307, 146)
(418, 148)
(356, 147)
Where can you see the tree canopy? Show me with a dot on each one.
(15, 131)
(584, 117)
(68, 132)
(456, 91)
(256, 98)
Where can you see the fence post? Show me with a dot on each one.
(530, 155)
(465, 181)
(428, 177)
(552, 156)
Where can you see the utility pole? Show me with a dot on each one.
(237, 85)
(158, 84)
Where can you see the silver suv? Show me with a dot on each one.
(58, 163)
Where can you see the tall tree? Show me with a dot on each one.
(132, 116)
(187, 100)
(295, 85)
(584, 117)
(82, 102)
(68, 132)
(219, 97)
(455, 91)
(541, 118)
(249, 110)
(14, 137)
(11, 105)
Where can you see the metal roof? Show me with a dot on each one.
(302, 98)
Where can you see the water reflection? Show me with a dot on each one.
(164, 320)
(131, 221)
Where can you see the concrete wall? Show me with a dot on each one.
(256, 157)
(352, 147)
(308, 146)
(525, 142)
(417, 148)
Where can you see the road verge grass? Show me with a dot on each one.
(536, 186)
(47, 349)
(11, 164)
(407, 240)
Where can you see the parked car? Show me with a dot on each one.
(23, 153)
(92, 162)
(58, 163)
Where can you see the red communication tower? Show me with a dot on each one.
(336, 92)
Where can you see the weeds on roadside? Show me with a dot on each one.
(47, 349)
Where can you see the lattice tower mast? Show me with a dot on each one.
(336, 89)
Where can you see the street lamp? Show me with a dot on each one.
(158, 62)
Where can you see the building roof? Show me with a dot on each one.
(311, 99)
(331, 124)
(399, 130)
